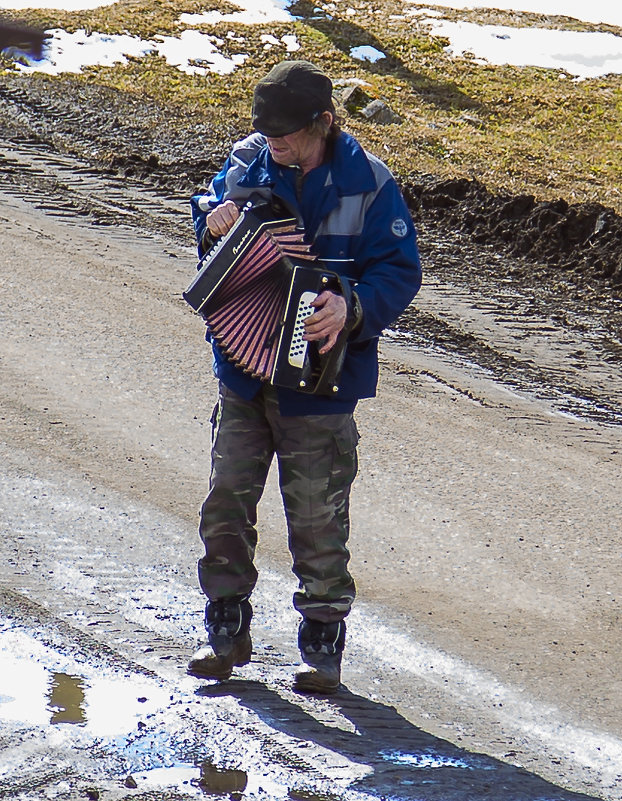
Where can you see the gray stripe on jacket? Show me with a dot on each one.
(348, 219)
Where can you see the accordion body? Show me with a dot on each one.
(254, 291)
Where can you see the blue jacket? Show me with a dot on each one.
(353, 213)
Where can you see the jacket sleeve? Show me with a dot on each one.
(388, 261)
(224, 186)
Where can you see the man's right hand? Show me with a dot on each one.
(221, 220)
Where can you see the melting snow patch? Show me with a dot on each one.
(252, 12)
(193, 52)
(197, 53)
(367, 53)
(289, 42)
(581, 53)
(70, 52)
(418, 11)
(596, 11)
(64, 5)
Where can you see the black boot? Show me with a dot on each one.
(321, 646)
(229, 644)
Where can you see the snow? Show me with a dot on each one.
(596, 11)
(192, 52)
(70, 52)
(252, 12)
(290, 42)
(367, 53)
(582, 54)
(196, 53)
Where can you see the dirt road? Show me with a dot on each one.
(484, 651)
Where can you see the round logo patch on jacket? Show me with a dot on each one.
(399, 227)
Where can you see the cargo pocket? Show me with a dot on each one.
(345, 459)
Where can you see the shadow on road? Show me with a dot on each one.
(404, 761)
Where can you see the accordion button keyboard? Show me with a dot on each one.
(298, 347)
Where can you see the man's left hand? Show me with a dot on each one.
(327, 320)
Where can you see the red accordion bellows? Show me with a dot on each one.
(245, 313)
(254, 289)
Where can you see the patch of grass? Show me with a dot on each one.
(431, 44)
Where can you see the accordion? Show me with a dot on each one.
(254, 291)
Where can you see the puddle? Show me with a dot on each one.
(67, 699)
(209, 780)
(423, 760)
(217, 780)
(206, 779)
(44, 688)
(41, 687)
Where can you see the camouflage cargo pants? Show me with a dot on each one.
(317, 464)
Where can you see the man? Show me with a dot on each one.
(355, 217)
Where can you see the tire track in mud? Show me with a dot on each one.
(525, 352)
(66, 188)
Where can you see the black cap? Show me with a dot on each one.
(290, 97)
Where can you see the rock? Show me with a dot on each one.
(130, 782)
(471, 119)
(353, 99)
(378, 111)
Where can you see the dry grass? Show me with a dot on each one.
(517, 130)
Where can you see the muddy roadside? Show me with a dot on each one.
(483, 658)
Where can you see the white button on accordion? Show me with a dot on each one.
(254, 290)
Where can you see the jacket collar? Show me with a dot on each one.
(349, 173)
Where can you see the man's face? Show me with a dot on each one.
(295, 148)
